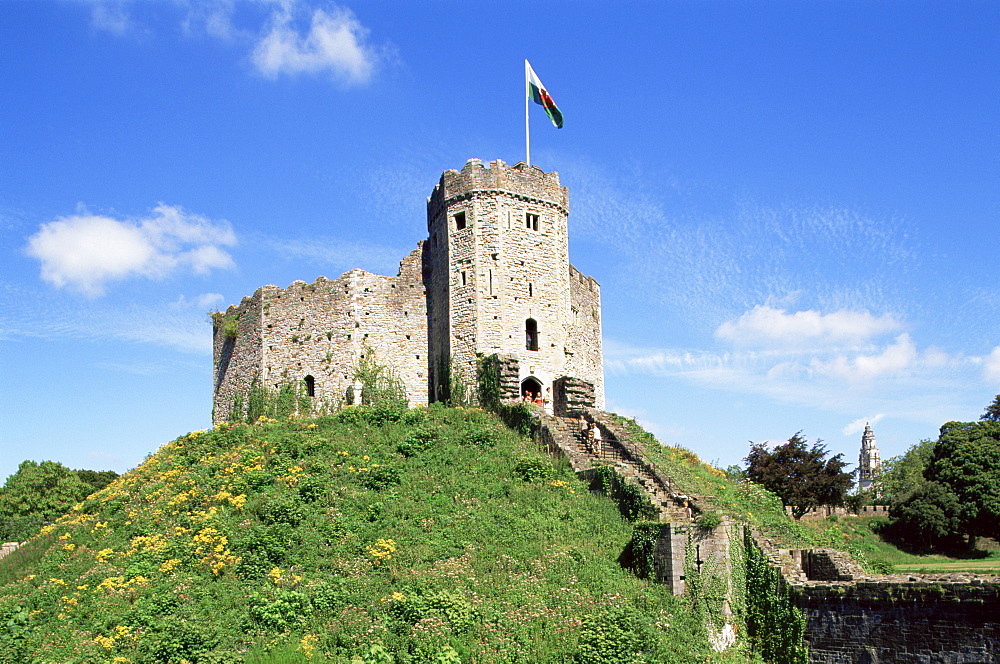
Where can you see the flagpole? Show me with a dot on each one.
(527, 131)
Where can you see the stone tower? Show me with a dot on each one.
(493, 277)
(869, 461)
(499, 279)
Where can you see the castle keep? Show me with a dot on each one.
(492, 277)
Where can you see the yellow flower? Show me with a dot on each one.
(57, 582)
(169, 565)
(106, 641)
(69, 546)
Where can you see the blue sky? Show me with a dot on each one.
(791, 207)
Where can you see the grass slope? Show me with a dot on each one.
(372, 536)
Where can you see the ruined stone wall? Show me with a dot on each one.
(236, 362)
(496, 257)
(321, 329)
(584, 350)
(903, 622)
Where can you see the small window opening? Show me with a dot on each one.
(459, 221)
(531, 334)
(463, 277)
(531, 221)
(310, 386)
(531, 289)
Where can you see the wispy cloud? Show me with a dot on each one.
(23, 315)
(766, 326)
(858, 425)
(893, 375)
(339, 255)
(710, 255)
(85, 252)
(334, 43)
(282, 37)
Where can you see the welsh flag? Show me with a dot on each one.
(540, 95)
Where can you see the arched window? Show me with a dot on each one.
(310, 386)
(531, 334)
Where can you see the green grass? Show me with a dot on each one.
(372, 535)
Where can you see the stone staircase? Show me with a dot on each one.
(618, 450)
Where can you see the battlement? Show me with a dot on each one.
(520, 181)
(493, 276)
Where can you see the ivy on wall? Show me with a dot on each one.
(775, 626)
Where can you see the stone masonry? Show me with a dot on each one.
(493, 277)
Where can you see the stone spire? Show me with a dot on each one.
(869, 461)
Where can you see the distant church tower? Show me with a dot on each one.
(869, 461)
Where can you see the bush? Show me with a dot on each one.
(534, 469)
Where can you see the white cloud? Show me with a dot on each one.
(765, 326)
(858, 425)
(895, 359)
(284, 37)
(991, 366)
(340, 255)
(85, 252)
(333, 43)
(203, 302)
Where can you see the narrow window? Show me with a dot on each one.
(531, 334)
(531, 221)
(463, 277)
(531, 289)
(459, 221)
(491, 282)
(310, 386)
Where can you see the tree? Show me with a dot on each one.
(992, 413)
(800, 475)
(902, 474)
(966, 460)
(927, 517)
(40, 492)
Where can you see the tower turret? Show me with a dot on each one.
(869, 461)
(498, 275)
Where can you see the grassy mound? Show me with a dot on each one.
(372, 536)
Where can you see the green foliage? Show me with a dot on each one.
(614, 636)
(454, 387)
(632, 502)
(709, 519)
(967, 462)
(270, 539)
(39, 492)
(902, 474)
(489, 382)
(638, 555)
(380, 386)
(802, 476)
(925, 519)
(775, 626)
(534, 468)
(417, 442)
(992, 413)
(228, 324)
(280, 611)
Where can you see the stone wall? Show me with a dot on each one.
(584, 350)
(321, 329)
(915, 622)
(493, 273)
(8, 548)
(824, 511)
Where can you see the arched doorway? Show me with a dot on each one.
(531, 388)
(310, 386)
